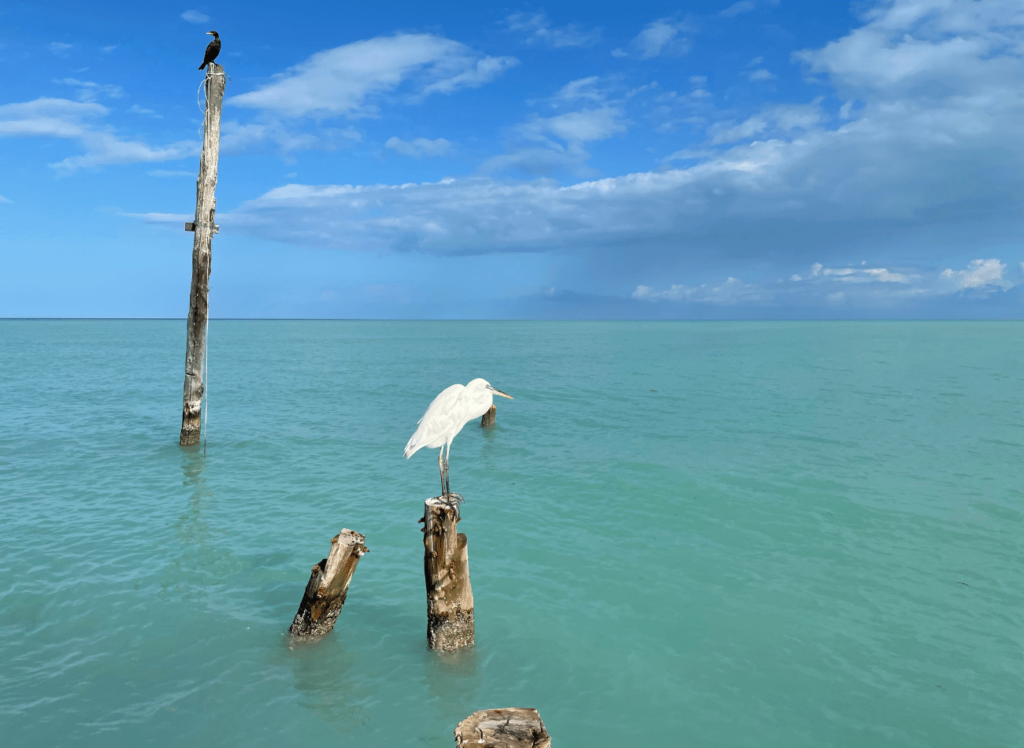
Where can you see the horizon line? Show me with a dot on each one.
(513, 319)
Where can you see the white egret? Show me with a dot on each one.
(451, 410)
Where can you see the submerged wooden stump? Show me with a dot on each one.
(502, 728)
(328, 586)
(446, 568)
(488, 417)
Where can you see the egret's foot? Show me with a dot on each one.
(453, 501)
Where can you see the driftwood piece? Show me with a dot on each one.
(488, 418)
(198, 305)
(328, 586)
(502, 728)
(446, 568)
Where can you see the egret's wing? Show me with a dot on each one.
(436, 422)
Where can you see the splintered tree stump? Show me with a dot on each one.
(488, 418)
(328, 586)
(502, 728)
(446, 568)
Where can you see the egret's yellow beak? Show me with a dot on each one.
(499, 392)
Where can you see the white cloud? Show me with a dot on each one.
(341, 81)
(59, 118)
(731, 291)
(743, 131)
(539, 30)
(580, 89)
(859, 275)
(238, 138)
(877, 286)
(581, 127)
(657, 38)
(933, 48)
(60, 48)
(475, 75)
(760, 75)
(62, 118)
(104, 148)
(165, 218)
(979, 274)
(543, 145)
(541, 161)
(776, 120)
(136, 109)
(194, 16)
(744, 6)
(420, 147)
(5, 200)
(91, 91)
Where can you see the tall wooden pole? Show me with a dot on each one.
(198, 305)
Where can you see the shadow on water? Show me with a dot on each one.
(453, 682)
(326, 679)
(199, 563)
(190, 528)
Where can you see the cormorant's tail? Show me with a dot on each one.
(202, 66)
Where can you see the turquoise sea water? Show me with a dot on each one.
(680, 534)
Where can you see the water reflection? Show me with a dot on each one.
(454, 683)
(325, 677)
(190, 568)
(190, 527)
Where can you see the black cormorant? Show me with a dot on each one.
(212, 49)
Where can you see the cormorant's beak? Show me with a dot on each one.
(499, 392)
(209, 33)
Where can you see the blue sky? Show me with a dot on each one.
(704, 160)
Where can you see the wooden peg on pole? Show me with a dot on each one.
(204, 228)
(446, 568)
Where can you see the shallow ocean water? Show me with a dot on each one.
(680, 534)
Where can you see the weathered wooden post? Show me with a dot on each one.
(488, 418)
(446, 568)
(204, 228)
(328, 586)
(502, 728)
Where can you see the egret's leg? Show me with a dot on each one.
(440, 467)
(447, 481)
(457, 497)
(452, 499)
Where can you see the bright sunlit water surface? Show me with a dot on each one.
(680, 534)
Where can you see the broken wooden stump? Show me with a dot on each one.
(328, 586)
(446, 568)
(502, 728)
(488, 418)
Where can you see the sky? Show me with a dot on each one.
(760, 159)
